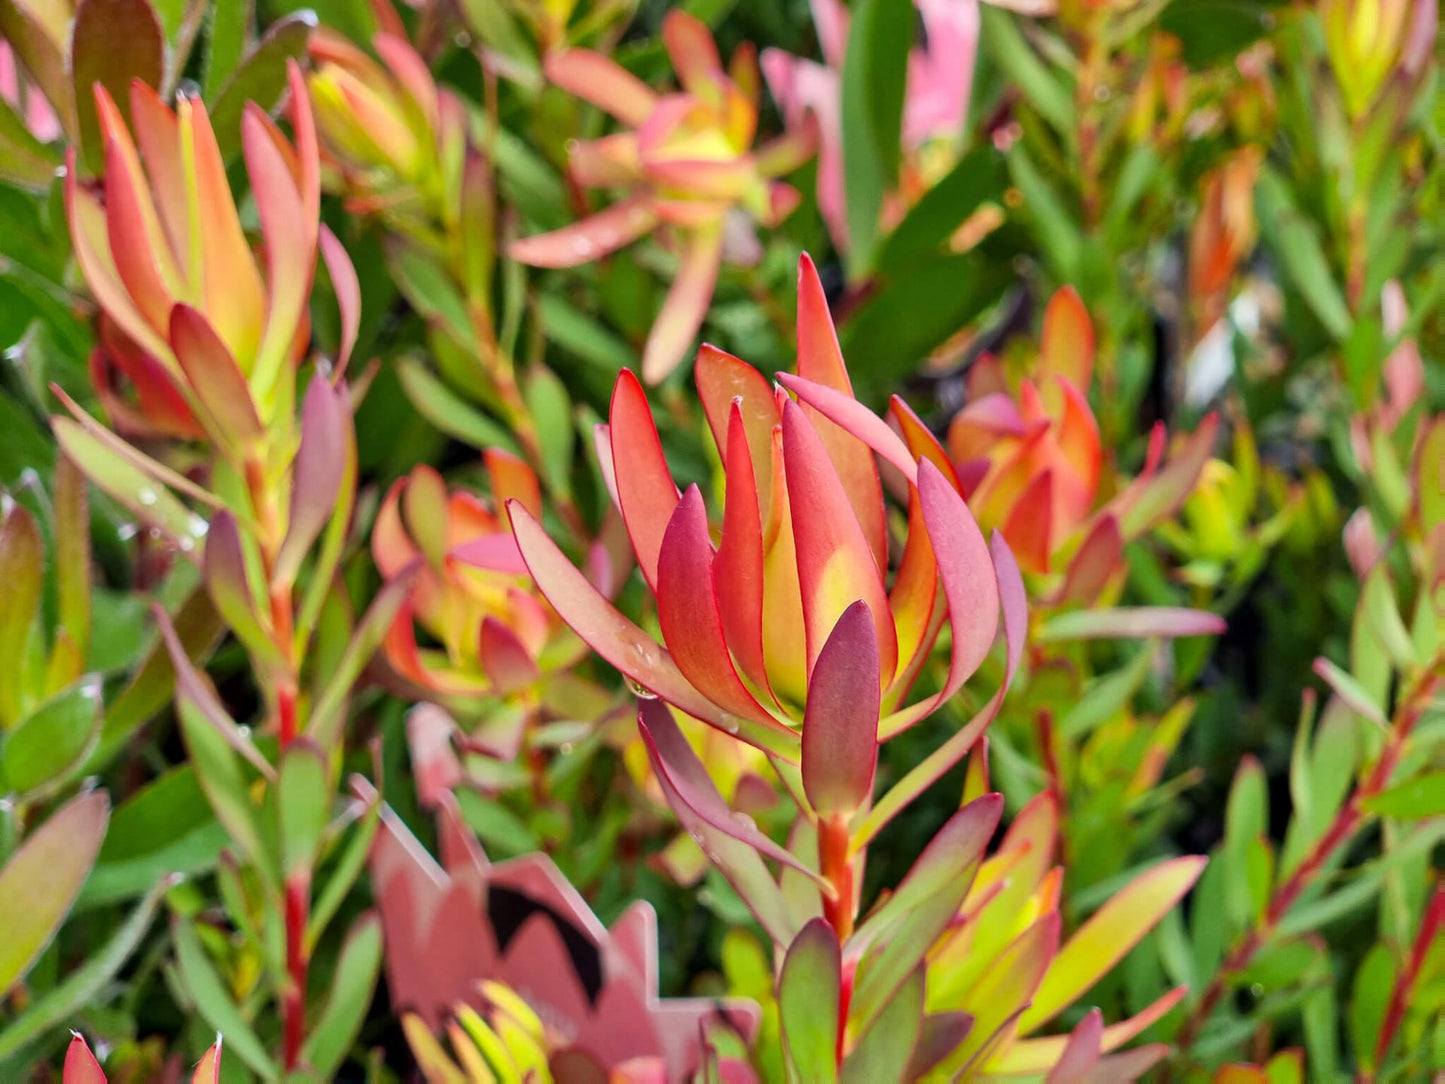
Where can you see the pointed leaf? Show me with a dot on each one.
(1108, 934)
(738, 862)
(78, 990)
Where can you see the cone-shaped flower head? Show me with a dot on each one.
(684, 160)
(798, 597)
(471, 595)
(207, 328)
(1029, 459)
(520, 925)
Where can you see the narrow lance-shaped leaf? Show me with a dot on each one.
(230, 587)
(317, 476)
(1131, 623)
(22, 564)
(739, 863)
(1111, 932)
(303, 800)
(674, 758)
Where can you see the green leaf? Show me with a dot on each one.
(884, 1050)
(24, 160)
(448, 411)
(348, 867)
(551, 409)
(52, 742)
(303, 794)
(1057, 230)
(430, 291)
(111, 43)
(42, 878)
(352, 984)
(165, 827)
(260, 77)
(1023, 68)
(200, 981)
(131, 479)
(916, 310)
(1414, 799)
(73, 585)
(79, 989)
(329, 714)
(221, 778)
(228, 23)
(808, 992)
(579, 333)
(1374, 983)
(1107, 696)
(1297, 244)
(880, 36)
(978, 178)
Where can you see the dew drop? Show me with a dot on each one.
(146, 497)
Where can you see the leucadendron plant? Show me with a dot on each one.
(209, 333)
(798, 635)
(687, 169)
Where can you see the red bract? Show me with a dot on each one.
(521, 924)
(747, 623)
(685, 162)
(202, 329)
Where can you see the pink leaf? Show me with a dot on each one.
(840, 726)
(1131, 622)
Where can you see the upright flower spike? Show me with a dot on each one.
(935, 106)
(684, 161)
(206, 331)
(747, 624)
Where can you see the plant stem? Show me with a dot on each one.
(285, 681)
(838, 870)
(293, 1002)
(1348, 820)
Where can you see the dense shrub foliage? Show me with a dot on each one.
(599, 540)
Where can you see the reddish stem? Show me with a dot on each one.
(298, 906)
(1347, 821)
(1430, 929)
(837, 869)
